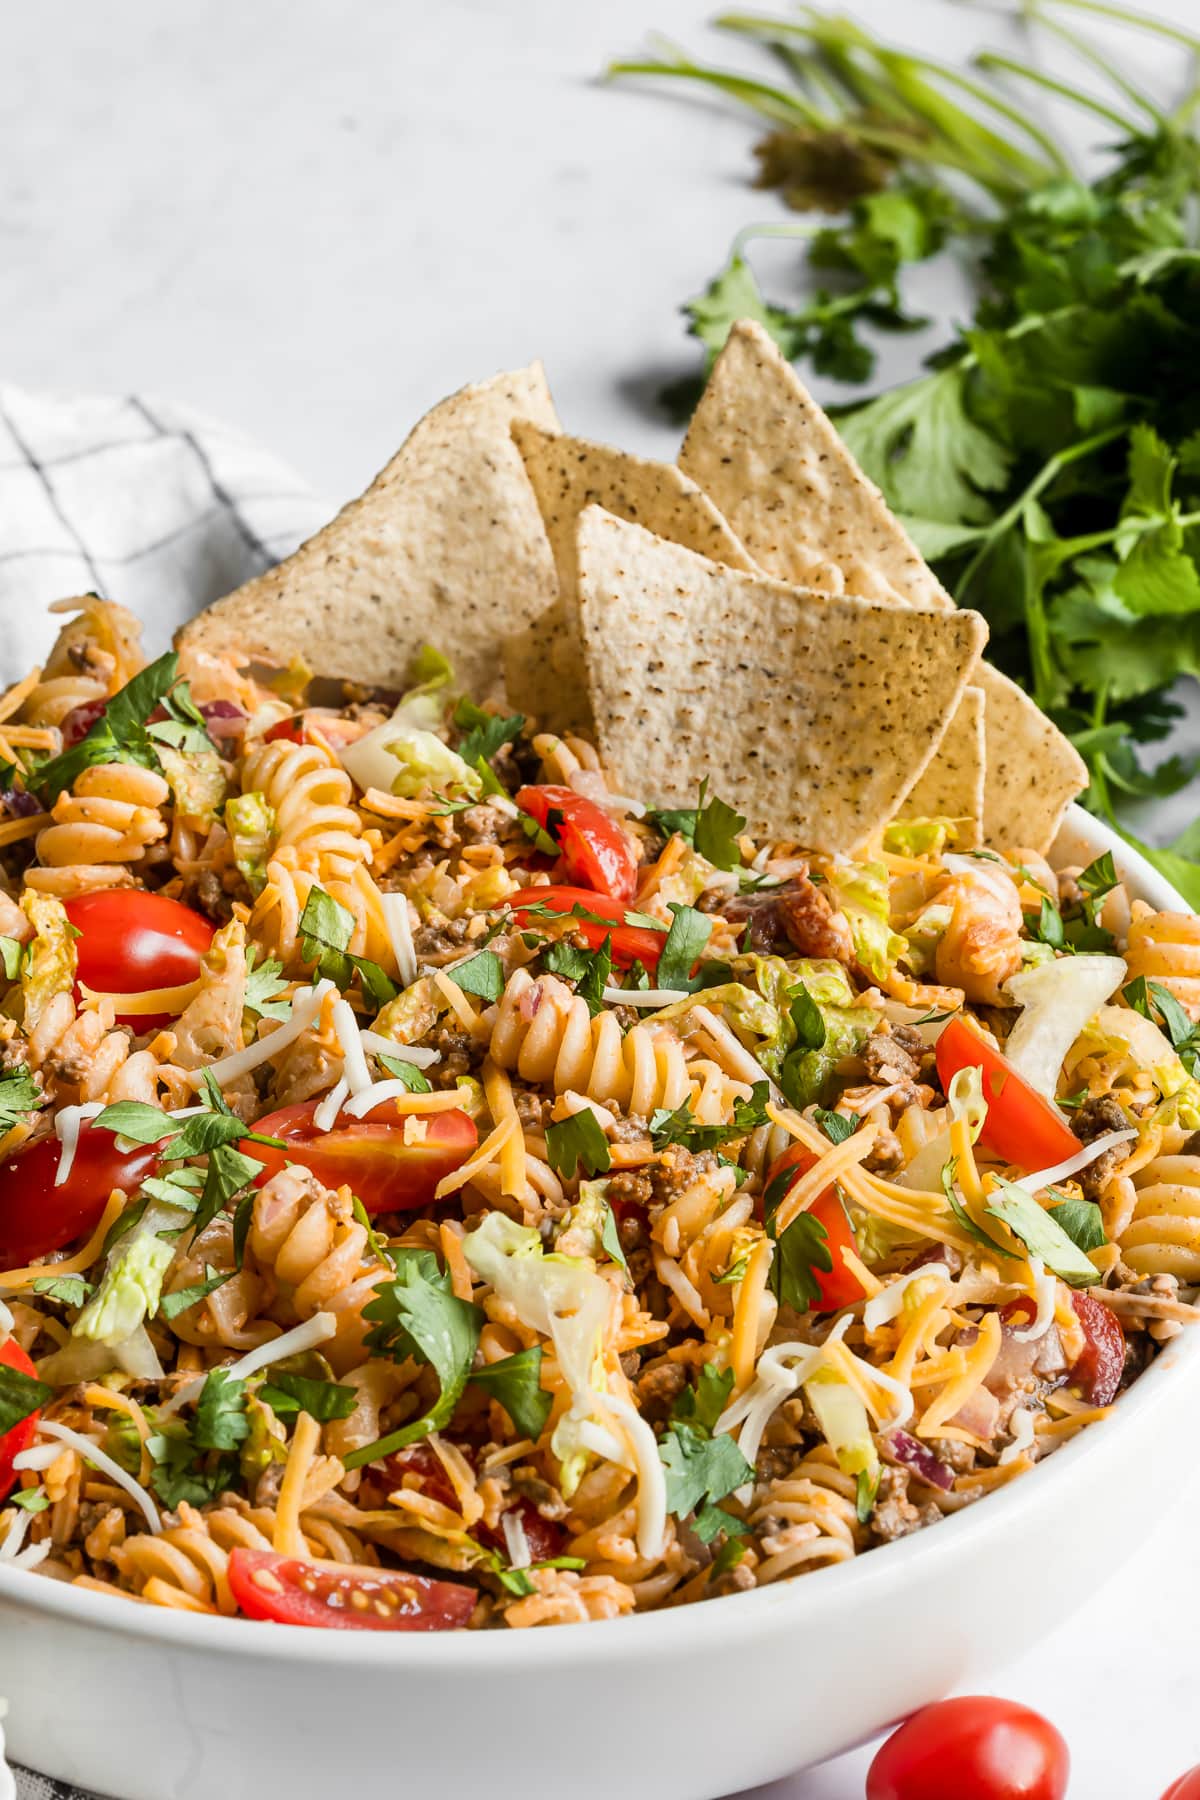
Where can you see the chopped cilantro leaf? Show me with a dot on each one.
(287, 1394)
(837, 1126)
(20, 1095)
(264, 982)
(171, 1305)
(515, 1381)
(481, 974)
(576, 1141)
(407, 1072)
(221, 1422)
(689, 933)
(69, 1290)
(20, 1395)
(682, 1127)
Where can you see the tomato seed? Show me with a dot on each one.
(264, 1579)
(359, 1600)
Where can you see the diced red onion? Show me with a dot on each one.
(529, 1002)
(224, 718)
(914, 1455)
(20, 805)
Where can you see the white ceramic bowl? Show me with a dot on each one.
(154, 1705)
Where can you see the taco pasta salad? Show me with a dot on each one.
(454, 1175)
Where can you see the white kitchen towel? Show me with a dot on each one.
(137, 500)
(145, 503)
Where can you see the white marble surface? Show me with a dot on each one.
(314, 219)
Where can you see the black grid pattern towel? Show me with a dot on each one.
(144, 503)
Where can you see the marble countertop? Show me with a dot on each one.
(313, 220)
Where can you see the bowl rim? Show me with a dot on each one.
(735, 1617)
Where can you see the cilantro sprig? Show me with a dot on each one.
(326, 928)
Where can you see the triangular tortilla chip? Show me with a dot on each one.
(952, 785)
(775, 465)
(544, 663)
(813, 714)
(445, 547)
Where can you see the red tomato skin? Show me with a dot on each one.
(425, 1604)
(544, 1538)
(597, 853)
(370, 1154)
(1186, 1788)
(838, 1286)
(1098, 1372)
(36, 1217)
(630, 943)
(1021, 1126)
(130, 941)
(291, 728)
(972, 1748)
(22, 1435)
(79, 721)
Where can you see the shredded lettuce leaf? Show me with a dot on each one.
(920, 837)
(250, 823)
(860, 890)
(48, 967)
(410, 738)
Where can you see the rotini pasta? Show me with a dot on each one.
(430, 1236)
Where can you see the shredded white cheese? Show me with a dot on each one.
(1024, 1436)
(345, 1027)
(887, 1303)
(645, 997)
(317, 1330)
(37, 1457)
(378, 1045)
(375, 1095)
(651, 1483)
(325, 1116)
(395, 913)
(67, 1122)
(305, 1007)
(99, 1459)
(516, 1542)
(15, 1536)
(1044, 1178)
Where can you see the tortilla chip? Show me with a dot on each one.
(952, 785)
(445, 547)
(775, 465)
(544, 663)
(763, 450)
(813, 714)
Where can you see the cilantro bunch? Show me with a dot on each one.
(1048, 464)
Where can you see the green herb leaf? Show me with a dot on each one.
(171, 1305)
(70, 1290)
(20, 1395)
(11, 952)
(118, 735)
(30, 1500)
(486, 732)
(703, 1404)
(836, 1126)
(1041, 1233)
(407, 1072)
(515, 1381)
(482, 974)
(1082, 1221)
(681, 1126)
(610, 1238)
(700, 1469)
(287, 1394)
(577, 1141)
(689, 933)
(221, 1422)
(20, 1096)
(264, 981)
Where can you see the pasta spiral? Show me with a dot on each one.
(187, 1565)
(311, 797)
(1165, 947)
(278, 909)
(545, 1032)
(808, 1517)
(102, 827)
(83, 1058)
(320, 1256)
(95, 653)
(1163, 1236)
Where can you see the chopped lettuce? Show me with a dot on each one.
(250, 822)
(1057, 999)
(803, 1072)
(130, 1290)
(196, 780)
(964, 1100)
(860, 890)
(1126, 1042)
(412, 1013)
(565, 1299)
(687, 880)
(410, 738)
(920, 837)
(844, 1421)
(48, 967)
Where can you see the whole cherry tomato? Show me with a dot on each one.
(37, 1217)
(596, 852)
(22, 1433)
(1186, 1788)
(630, 943)
(838, 1286)
(344, 1596)
(974, 1748)
(130, 941)
(387, 1172)
(1022, 1126)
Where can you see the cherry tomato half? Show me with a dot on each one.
(130, 941)
(345, 1596)
(630, 943)
(1097, 1374)
(370, 1154)
(36, 1217)
(22, 1434)
(291, 728)
(1022, 1126)
(974, 1748)
(838, 1286)
(1186, 1788)
(596, 852)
